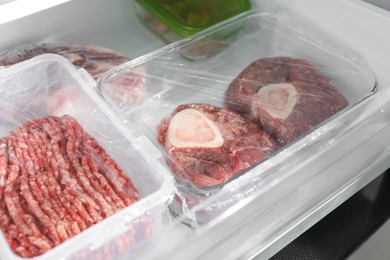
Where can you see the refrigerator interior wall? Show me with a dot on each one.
(111, 24)
(260, 225)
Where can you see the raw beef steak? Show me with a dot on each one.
(94, 59)
(55, 182)
(285, 96)
(207, 145)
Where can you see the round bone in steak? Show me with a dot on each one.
(286, 97)
(207, 145)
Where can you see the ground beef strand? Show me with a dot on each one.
(56, 181)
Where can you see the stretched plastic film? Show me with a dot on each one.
(269, 89)
(245, 114)
(73, 183)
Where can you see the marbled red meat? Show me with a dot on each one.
(46, 195)
(207, 145)
(94, 59)
(286, 97)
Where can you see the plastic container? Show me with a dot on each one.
(170, 80)
(173, 20)
(51, 85)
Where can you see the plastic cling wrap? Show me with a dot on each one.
(56, 152)
(72, 182)
(286, 97)
(277, 78)
(287, 81)
(207, 145)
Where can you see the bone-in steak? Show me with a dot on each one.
(285, 96)
(207, 145)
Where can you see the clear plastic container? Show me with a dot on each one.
(171, 80)
(51, 85)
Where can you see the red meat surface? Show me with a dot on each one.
(55, 182)
(207, 145)
(94, 59)
(286, 97)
